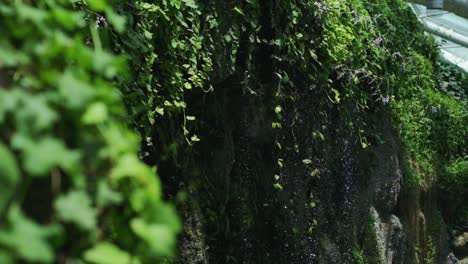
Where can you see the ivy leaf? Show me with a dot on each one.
(117, 21)
(315, 173)
(75, 92)
(160, 238)
(6, 257)
(8, 101)
(190, 3)
(27, 12)
(107, 253)
(280, 163)
(130, 166)
(97, 5)
(238, 10)
(278, 109)
(10, 56)
(9, 175)
(95, 114)
(159, 110)
(9, 172)
(35, 111)
(165, 214)
(69, 19)
(27, 239)
(75, 207)
(337, 95)
(195, 138)
(43, 154)
(106, 196)
(278, 186)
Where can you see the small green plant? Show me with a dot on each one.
(358, 256)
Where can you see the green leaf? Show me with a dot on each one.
(75, 207)
(10, 56)
(9, 175)
(164, 213)
(27, 12)
(190, 3)
(160, 238)
(195, 138)
(278, 109)
(27, 239)
(130, 166)
(280, 163)
(278, 186)
(238, 10)
(6, 257)
(69, 19)
(41, 155)
(107, 253)
(276, 125)
(95, 114)
(97, 5)
(159, 110)
(315, 173)
(8, 101)
(180, 104)
(75, 92)
(337, 95)
(106, 196)
(116, 20)
(35, 111)
(9, 172)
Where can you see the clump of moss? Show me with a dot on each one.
(371, 248)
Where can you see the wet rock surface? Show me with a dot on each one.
(391, 238)
(386, 176)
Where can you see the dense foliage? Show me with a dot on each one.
(77, 77)
(72, 186)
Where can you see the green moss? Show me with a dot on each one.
(358, 256)
(370, 247)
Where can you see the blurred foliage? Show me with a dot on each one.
(72, 186)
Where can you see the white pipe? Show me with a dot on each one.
(445, 33)
(450, 58)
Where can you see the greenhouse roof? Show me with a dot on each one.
(449, 30)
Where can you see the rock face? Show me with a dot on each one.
(290, 179)
(331, 253)
(192, 244)
(386, 174)
(327, 208)
(390, 238)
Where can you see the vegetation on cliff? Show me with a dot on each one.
(263, 118)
